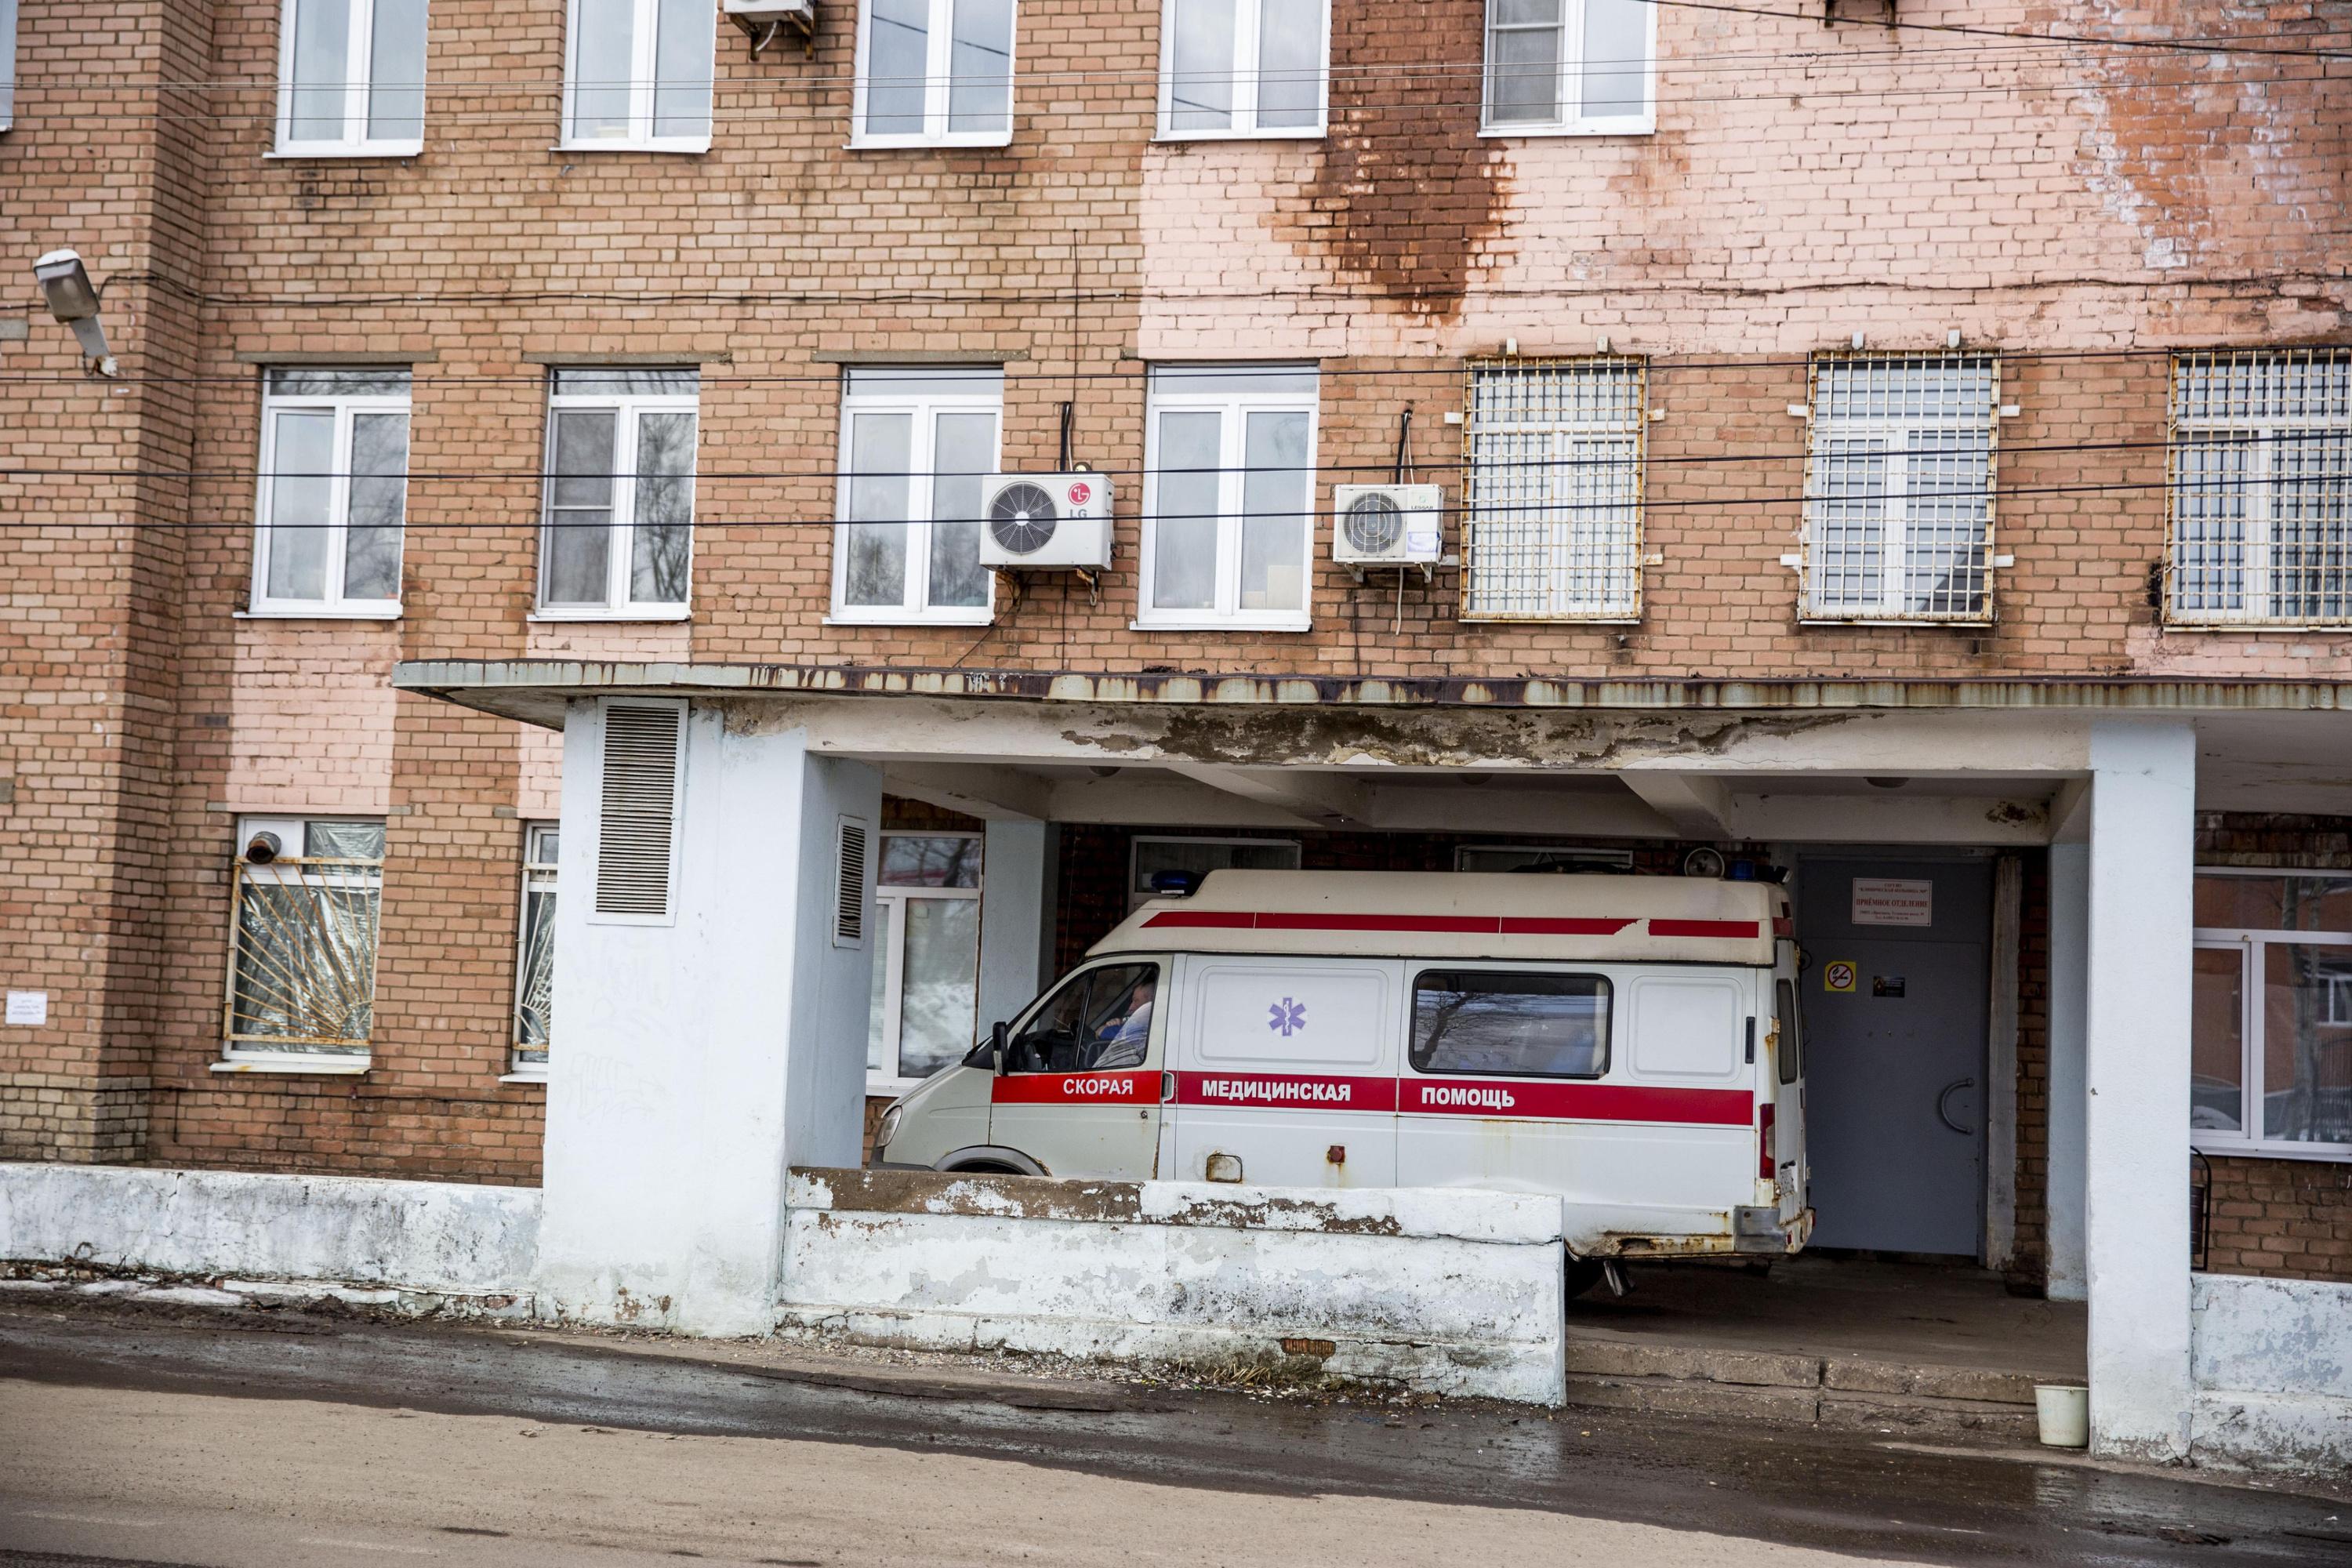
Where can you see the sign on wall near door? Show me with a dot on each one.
(1894, 902)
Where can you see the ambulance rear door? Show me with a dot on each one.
(1285, 1072)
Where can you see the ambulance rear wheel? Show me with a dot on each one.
(1583, 1274)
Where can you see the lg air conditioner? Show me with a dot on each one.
(1387, 525)
(1040, 521)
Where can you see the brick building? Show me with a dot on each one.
(1860, 441)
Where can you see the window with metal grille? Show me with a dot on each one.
(306, 899)
(2262, 489)
(1898, 488)
(1551, 497)
(535, 948)
(637, 830)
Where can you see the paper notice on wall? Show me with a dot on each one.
(28, 1007)
(1894, 902)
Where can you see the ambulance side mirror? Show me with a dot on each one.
(1000, 1045)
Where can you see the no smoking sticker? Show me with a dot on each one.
(1837, 975)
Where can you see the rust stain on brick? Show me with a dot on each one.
(1406, 199)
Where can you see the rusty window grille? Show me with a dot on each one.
(303, 930)
(535, 956)
(1552, 495)
(2261, 476)
(1898, 488)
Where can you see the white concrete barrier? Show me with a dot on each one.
(437, 1237)
(2273, 1362)
(1454, 1291)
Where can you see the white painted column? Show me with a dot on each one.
(2070, 936)
(1017, 906)
(696, 1058)
(2135, 1145)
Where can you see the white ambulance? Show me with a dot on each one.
(1629, 1042)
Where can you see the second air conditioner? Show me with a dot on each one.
(1036, 521)
(1387, 525)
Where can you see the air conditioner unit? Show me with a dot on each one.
(1031, 521)
(1387, 525)
(802, 13)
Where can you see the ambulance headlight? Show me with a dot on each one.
(887, 1131)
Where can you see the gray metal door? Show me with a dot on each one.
(1894, 1016)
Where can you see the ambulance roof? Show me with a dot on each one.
(1468, 915)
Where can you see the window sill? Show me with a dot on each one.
(692, 148)
(920, 143)
(1523, 132)
(315, 613)
(905, 618)
(1893, 623)
(2332, 628)
(2329, 1153)
(1559, 620)
(345, 154)
(681, 612)
(524, 1075)
(1287, 623)
(1297, 133)
(308, 1065)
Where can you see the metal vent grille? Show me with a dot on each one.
(1898, 488)
(1552, 502)
(2261, 490)
(849, 884)
(638, 832)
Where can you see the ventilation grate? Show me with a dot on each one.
(849, 884)
(638, 830)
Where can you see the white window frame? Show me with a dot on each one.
(7, 63)
(347, 408)
(938, 72)
(626, 408)
(923, 410)
(2249, 943)
(889, 903)
(244, 1055)
(644, 36)
(1135, 897)
(529, 1063)
(2259, 590)
(1890, 605)
(1571, 66)
(1576, 548)
(359, 84)
(1233, 443)
(1246, 127)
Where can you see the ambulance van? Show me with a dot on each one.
(1628, 1044)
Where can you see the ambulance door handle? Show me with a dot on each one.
(1168, 1088)
(1945, 1116)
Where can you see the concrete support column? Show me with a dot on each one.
(699, 1055)
(2136, 1208)
(2070, 936)
(1017, 908)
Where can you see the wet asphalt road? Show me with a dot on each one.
(1841, 1492)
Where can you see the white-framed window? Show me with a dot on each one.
(305, 907)
(534, 1007)
(350, 78)
(2271, 1014)
(1552, 495)
(1229, 497)
(637, 75)
(617, 540)
(1152, 856)
(1572, 67)
(7, 63)
(333, 499)
(917, 446)
(933, 73)
(926, 986)
(2262, 489)
(1898, 488)
(1244, 67)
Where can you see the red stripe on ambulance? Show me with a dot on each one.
(1516, 1098)
(1076, 1089)
(1285, 1091)
(1448, 925)
(1703, 928)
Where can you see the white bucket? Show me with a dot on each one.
(2063, 1411)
